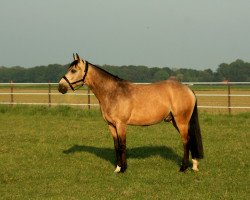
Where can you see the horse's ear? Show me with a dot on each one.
(77, 57)
(74, 57)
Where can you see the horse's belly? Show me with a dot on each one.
(147, 117)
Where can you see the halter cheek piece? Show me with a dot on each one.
(81, 80)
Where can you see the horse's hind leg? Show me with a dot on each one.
(182, 127)
(185, 139)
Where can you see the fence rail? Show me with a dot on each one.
(19, 89)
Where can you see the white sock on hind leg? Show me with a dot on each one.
(195, 165)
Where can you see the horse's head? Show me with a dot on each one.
(75, 75)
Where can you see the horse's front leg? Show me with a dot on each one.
(121, 130)
(119, 136)
(116, 145)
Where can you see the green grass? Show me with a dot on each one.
(65, 153)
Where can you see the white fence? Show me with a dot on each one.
(49, 90)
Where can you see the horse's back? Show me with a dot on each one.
(170, 89)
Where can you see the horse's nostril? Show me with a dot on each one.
(62, 88)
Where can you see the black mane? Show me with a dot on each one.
(106, 72)
(75, 62)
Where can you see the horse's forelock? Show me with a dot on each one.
(75, 62)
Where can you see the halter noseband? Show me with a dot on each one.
(81, 80)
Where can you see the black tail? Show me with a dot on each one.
(194, 132)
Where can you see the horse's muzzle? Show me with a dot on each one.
(62, 88)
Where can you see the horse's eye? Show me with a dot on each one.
(73, 71)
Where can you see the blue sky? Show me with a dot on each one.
(196, 34)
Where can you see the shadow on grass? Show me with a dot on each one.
(137, 152)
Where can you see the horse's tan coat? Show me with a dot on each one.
(124, 103)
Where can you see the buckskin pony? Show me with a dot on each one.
(125, 103)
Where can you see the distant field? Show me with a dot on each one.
(67, 153)
(77, 99)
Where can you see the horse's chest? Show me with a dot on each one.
(107, 114)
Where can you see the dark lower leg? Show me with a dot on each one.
(122, 151)
(117, 153)
(116, 145)
(185, 160)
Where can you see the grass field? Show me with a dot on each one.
(65, 153)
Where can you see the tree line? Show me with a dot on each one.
(235, 71)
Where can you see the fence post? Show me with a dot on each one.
(229, 97)
(88, 98)
(11, 93)
(49, 93)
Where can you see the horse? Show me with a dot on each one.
(124, 103)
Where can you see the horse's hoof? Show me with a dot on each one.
(183, 168)
(195, 169)
(123, 169)
(118, 169)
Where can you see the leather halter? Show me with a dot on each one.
(81, 80)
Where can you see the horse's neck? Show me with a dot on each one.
(100, 83)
